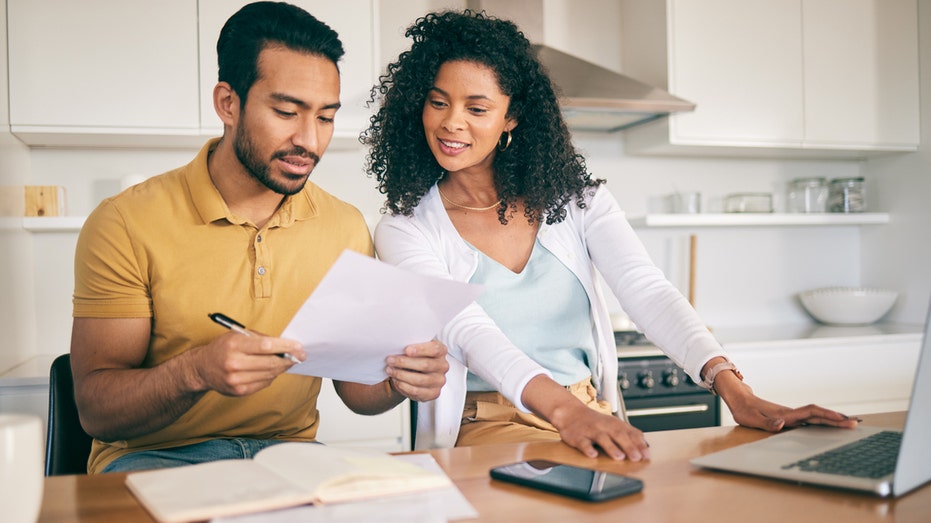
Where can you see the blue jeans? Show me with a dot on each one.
(212, 450)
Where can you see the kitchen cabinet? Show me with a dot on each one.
(339, 426)
(138, 74)
(804, 78)
(855, 370)
(98, 71)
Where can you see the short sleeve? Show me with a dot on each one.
(108, 279)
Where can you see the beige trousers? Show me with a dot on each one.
(489, 418)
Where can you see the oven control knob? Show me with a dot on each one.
(623, 381)
(671, 378)
(646, 380)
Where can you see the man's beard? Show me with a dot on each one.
(245, 150)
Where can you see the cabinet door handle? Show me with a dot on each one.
(663, 411)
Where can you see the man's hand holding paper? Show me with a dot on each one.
(365, 312)
(420, 372)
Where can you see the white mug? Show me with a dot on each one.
(21, 467)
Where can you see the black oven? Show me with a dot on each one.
(658, 395)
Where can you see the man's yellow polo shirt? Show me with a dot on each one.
(169, 249)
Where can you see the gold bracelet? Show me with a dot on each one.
(708, 382)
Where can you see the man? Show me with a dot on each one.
(239, 230)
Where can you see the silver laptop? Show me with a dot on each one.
(816, 455)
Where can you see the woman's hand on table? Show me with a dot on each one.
(587, 429)
(749, 410)
(582, 427)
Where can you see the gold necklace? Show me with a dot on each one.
(477, 209)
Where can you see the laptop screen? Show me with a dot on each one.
(914, 465)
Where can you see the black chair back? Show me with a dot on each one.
(67, 445)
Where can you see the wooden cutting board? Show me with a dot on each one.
(44, 200)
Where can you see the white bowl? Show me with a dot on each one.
(847, 305)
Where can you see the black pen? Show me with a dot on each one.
(235, 326)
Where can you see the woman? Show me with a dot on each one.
(484, 185)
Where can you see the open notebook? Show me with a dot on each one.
(843, 458)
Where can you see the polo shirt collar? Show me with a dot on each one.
(210, 204)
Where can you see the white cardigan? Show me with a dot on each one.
(597, 237)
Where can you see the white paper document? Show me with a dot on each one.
(365, 310)
(439, 506)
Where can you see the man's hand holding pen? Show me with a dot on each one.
(239, 363)
(235, 326)
(418, 372)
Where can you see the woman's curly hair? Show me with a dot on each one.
(541, 165)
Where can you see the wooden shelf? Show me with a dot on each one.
(758, 219)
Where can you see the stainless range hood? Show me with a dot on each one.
(599, 99)
(594, 98)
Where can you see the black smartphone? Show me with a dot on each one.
(568, 480)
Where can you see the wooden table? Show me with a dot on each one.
(674, 490)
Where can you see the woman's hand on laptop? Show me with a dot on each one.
(749, 410)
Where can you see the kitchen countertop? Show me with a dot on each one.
(34, 371)
(770, 335)
(809, 331)
(31, 372)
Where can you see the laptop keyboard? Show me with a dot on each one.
(871, 457)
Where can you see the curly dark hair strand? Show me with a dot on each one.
(541, 165)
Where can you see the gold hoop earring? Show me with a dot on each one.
(507, 143)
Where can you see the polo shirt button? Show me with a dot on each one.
(258, 239)
(261, 271)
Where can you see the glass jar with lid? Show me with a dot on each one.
(847, 195)
(807, 195)
(749, 202)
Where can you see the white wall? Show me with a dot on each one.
(744, 275)
(42, 310)
(395, 17)
(899, 256)
(17, 312)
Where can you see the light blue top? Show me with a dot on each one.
(594, 241)
(543, 310)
